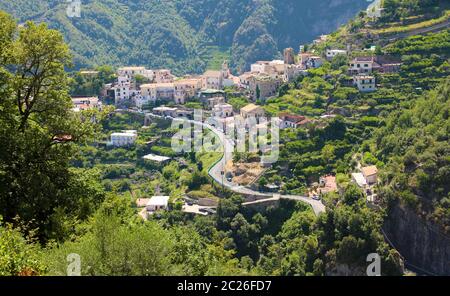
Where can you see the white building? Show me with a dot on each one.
(275, 69)
(365, 83)
(133, 71)
(359, 179)
(124, 138)
(157, 91)
(163, 76)
(156, 158)
(157, 203)
(219, 79)
(314, 62)
(165, 111)
(362, 65)
(223, 110)
(122, 91)
(292, 121)
(331, 53)
(375, 9)
(370, 173)
(86, 103)
(185, 89)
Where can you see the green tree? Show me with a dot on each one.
(38, 130)
(19, 256)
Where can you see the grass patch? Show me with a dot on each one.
(216, 55)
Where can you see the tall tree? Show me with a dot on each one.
(38, 130)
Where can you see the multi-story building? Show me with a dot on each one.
(263, 86)
(365, 83)
(157, 91)
(85, 103)
(212, 80)
(244, 79)
(331, 53)
(124, 138)
(303, 58)
(314, 62)
(219, 79)
(185, 89)
(252, 110)
(362, 65)
(163, 76)
(223, 110)
(125, 92)
(292, 121)
(293, 71)
(133, 71)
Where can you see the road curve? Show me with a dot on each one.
(216, 170)
(217, 173)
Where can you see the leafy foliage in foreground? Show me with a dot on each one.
(39, 133)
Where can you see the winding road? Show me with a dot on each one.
(217, 172)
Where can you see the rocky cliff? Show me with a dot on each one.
(425, 248)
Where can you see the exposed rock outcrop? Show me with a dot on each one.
(425, 248)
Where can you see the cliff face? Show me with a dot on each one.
(423, 245)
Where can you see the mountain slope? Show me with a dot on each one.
(178, 34)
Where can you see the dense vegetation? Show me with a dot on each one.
(396, 10)
(39, 133)
(64, 190)
(183, 35)
(416, 143)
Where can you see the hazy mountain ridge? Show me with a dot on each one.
(174, 33)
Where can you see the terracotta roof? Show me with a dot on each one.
(363, 59)
(291, 117)
(131, 68)
(250, 108)
(330, 183)
(298, 119)
(211, 73)
(369, 171)
(156, 85)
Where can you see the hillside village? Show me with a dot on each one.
(160, 93)
(260, 83)
(98, 163)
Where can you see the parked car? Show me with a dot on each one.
(208, 211)
(316, 197)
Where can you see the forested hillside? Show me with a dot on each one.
(63, 191)
(181, 34)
